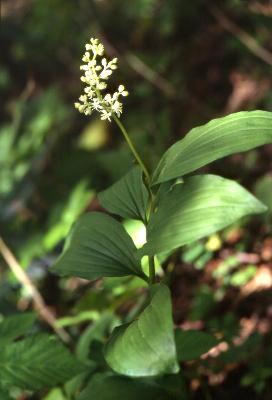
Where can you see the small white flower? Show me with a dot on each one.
(96, 72)
(117, 108)
(106, 115)
(96, 104)
(105, 73)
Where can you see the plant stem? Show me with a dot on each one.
(132, 148)
(151, 260)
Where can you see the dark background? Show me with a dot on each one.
(184, 63)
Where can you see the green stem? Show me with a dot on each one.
(152, 272)
(132, 148)
(151, 259)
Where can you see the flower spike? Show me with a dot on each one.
(97, 71)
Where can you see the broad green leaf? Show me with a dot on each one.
(4, 394)
(98, 246)
(192, 344)
(146, 347)
(128, 197)
(197, 208)
(112, 387)
(15, 326)
(218, 138)
(55, 394)
(37, 362)
(263, 190)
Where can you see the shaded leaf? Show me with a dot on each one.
(37, 362)
(197, 208)
(4, 394)
(173, 384)
(128, 197)
(192, 344)
(15, 326)
(146, 347)
(98, 246)
(263, 190)
(111, 387)
(95, 331)
(218, 138)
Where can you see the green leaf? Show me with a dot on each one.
(95, 331)
(197, 208)
(37, 362)
(128, 197)
(55, 394)
(63, 215)
(4, 394)
(263, 191)
(15, 326)
(98, 246)
(111, 387)
(146, 347)
(218, 138)
(192, 344)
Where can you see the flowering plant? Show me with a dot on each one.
(177, 208)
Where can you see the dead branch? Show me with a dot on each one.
(242, 36)
(37, 298)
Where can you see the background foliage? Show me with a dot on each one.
(183, 63)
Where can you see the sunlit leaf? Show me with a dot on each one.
(146, 347)
(55, 394)
(63, 216)
(197, 208)
(94, 135)
(218, 138)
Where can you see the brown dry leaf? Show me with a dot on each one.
(266, 251)
(13, 8)
(261, 281)
(258, 8)
(246, 91)
(234, 235)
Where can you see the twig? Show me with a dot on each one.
(242, 35)
(133, 61)
(149, 74)
(141, 68)
(37, 299)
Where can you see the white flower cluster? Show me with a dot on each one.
(97, 70)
